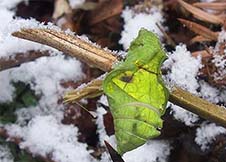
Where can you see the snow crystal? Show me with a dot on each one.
(5, 155)
(76, 3)
(206, 134)
(152, 151)
(46, 136)
(209, 93)
(135, 21)
(187, 117)
(6, 93)
(184, 69)
(10, 45)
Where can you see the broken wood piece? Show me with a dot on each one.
(92, 89)
(74, 46)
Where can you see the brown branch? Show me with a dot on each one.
(20, 58)
(74, 46)
(91, 54)
(198, 106)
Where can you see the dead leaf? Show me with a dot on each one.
(213, 5)
(200, 39)
(106, 10)
(200, 14)
(199, 29)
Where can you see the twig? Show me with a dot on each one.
(74, 46)
(198, 106)
(18, 59)
(90, 54)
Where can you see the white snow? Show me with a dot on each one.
(206, 134)
(5, 155)
(209, 93)
(152, 151)
(135, 21)
(45, 135)
(186, 117)
(183, 72)
(183, 68)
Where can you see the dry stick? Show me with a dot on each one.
(104, 60)
(74, 46)
(18, 59)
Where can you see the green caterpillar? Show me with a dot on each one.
(136, 93)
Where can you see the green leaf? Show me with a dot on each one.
(136, 93)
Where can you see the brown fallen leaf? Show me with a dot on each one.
(203, 54)
(106, 10)
(211, 5)
(199, 39)
(199, 29)
(200, 14)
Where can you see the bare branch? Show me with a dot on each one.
(74, 46)
(20, 58)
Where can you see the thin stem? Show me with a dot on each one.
(20, 58)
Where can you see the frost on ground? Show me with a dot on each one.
(45, 135)
(39, 126)
(183, 72)
(5, 155)
(206, 134)
(134, 21)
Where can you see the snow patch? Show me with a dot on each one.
(44, 136)
(152, 151)
(206, 134)
(183, 69)
(135, 21)
(5, 154)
